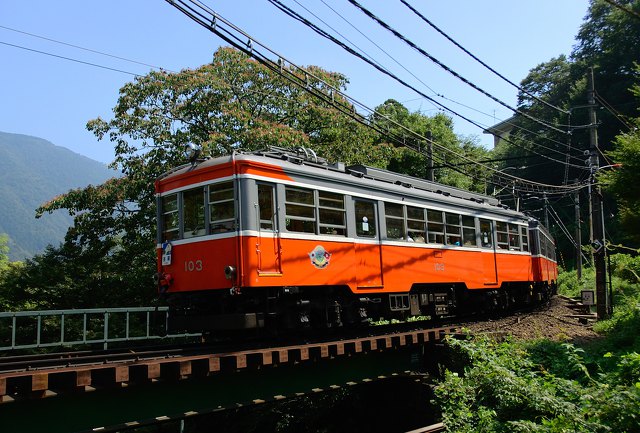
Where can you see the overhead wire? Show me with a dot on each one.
(209, 19)
(613, 111)
(484, 126)
(474, 57)
(326, 35)
(377, 46)
(406, 40)
(71, 59)
(623, 8)
(82, 48)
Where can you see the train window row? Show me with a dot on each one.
(547, 248)
(322, 212)
(212, 209)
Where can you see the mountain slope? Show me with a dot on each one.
(32, 172)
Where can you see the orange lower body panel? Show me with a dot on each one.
(363, 267)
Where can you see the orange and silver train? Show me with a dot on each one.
(283, 239)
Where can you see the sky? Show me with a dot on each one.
(51, 89)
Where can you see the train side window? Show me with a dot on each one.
(486, 233)
(266, 206)
(525, 239)
(300, 210)
(435, 226)
(469, 231)
(416, 224)
(193, 213)
(394, 217)
(514, 237)
(452, 229)
(222, 209)
(503, 235)
(331, 214)
(365, 213)
(170, 217)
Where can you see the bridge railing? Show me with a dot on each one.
(50, 328)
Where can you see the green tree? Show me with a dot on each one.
(450, 167)
(624, 182)
(609, 42)
(4, 252)
(232, 104)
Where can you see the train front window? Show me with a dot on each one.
(222, 209)
(300, 210)
(525, 239)
(170, 217)
(193, 212)
(514, 237)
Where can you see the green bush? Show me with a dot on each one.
(537, 387)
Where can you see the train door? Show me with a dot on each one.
(268, 242)
(367, 246)
(488, 244)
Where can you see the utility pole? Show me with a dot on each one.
(597, 218)
(578, 235)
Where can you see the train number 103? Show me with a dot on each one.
(193, 265)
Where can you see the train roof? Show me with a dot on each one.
(305, 161)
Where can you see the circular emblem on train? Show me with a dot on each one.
(320, 257)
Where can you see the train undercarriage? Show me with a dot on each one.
(292, 308)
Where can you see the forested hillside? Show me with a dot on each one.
(33, 171)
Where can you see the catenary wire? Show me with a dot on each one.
(474, 57)
(323, 33)
(71, 59)
(209, 19)
(82, 48)
(448, 69)
(623, 8)
(515, 125)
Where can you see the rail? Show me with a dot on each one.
(54, 328)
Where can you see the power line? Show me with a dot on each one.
(447, 68)
(474, 57)
(71, 59)
(515, 125)
(378, 46)
(623, 8)
(613, 111)
(81, 48)
(212, 21)
(376, 65)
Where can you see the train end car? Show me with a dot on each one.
(282, 239)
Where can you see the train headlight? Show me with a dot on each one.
(230, 272)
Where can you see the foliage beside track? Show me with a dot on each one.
(546, 386)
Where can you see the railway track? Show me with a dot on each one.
(258, 344)
(30, 377)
